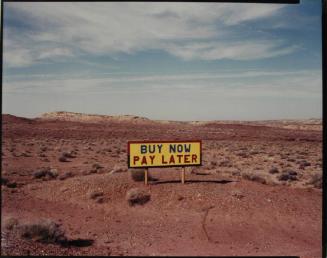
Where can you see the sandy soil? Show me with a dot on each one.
(233, 205)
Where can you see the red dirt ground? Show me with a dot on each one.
(218, 211)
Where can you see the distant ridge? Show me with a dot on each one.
(314, 124)
(80, 117)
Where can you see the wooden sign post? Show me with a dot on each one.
(183, 175)
(146, 176)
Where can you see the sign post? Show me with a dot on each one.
(155, 154)
(183, 175)
(146, 176)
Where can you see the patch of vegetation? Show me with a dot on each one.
(137, 196)
(45, 231)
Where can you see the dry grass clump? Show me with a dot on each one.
(137, 196)
(65, 175)
(67, 155)
(316, 180)
(237, 194)
(117, 169)
(97, 166)
(10, 223)
(4, 181)
(45, 231)
(288, 175)
(273, 170)
(46, 172)
(96, 194)
(254, 177)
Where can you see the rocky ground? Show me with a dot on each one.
(257, 193)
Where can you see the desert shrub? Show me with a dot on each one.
(10, 223)
(117, 169)
(4, 181)
(62, 159)
(254, 177)
(97, 166)
(213, 164)
(288, 175)
(45, 172)
(303, 164)
(236, 172)
(242, 154)
(12, 184)
(68, 154)
(137, 196)
(225, 163)
(273, 170)
(237, 194)
(45, 231)
(95, 194)
(316, 180)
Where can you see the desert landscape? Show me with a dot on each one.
(67, 190)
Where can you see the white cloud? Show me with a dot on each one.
(186, 30)
(243, 50)
(244, 83)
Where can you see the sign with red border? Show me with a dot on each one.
(148, 154)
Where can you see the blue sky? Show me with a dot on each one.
(176, 61)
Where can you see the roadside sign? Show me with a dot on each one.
(146, 154)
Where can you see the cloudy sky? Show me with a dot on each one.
(177, 61)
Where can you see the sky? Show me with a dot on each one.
(171, 61)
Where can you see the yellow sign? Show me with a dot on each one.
(164, 154)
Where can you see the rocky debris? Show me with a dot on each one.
(45, 231)
(137, 196)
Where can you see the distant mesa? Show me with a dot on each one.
(80, 117)
(314, 124)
